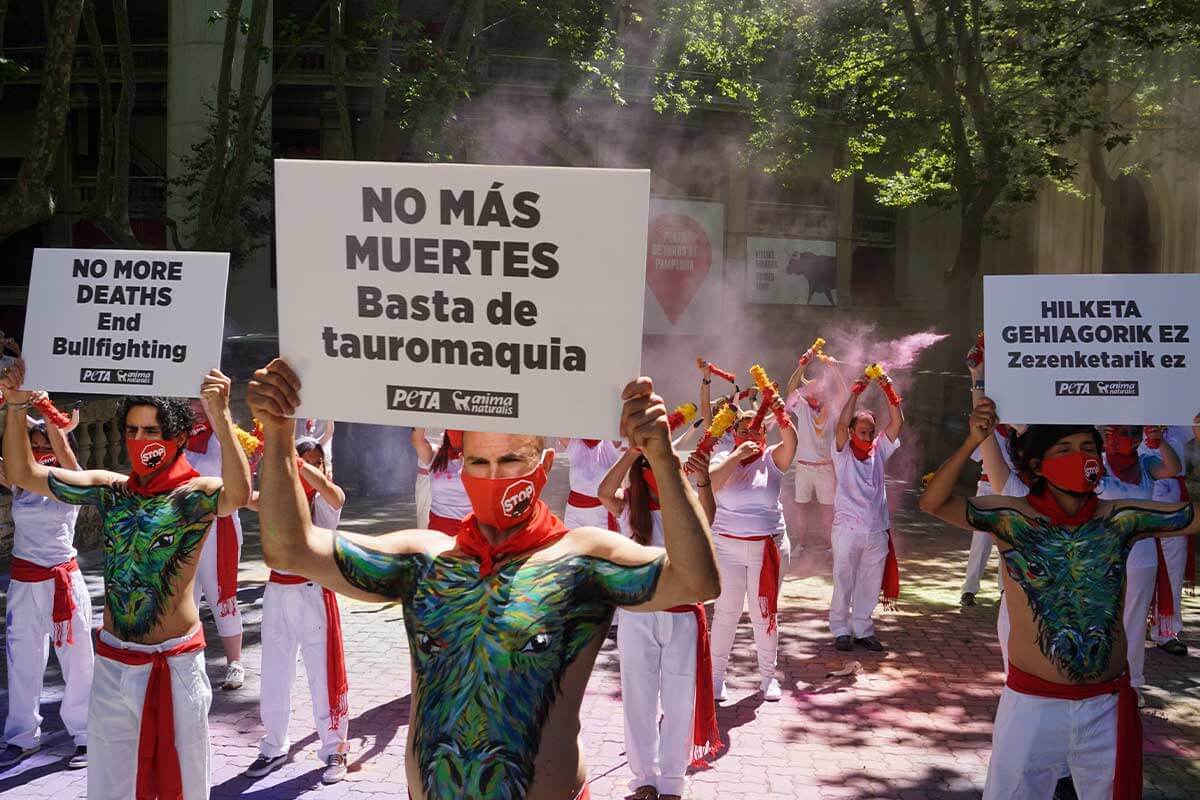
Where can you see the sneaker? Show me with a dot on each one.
(1065, 790)
(771, 691)
(235, 676)
(1174, 646)
(967, 599)
(719, 691)
(265, 765)
(14, 754)
(643, 793)
(78, 760)
(843, 643)
(871, 643)
(335, 769)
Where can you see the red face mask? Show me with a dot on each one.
(148, 455)
(198, 438)
(1077, 472)
(1121, 445)
(47, 460)
(862, 450)
(505, 503)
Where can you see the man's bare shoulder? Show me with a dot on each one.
(1000, 502)
(608, 545)
(412, 541)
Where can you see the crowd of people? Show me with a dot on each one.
(506, 605)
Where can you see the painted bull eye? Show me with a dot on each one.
(538, 643)
(427, 644)
(164, 541)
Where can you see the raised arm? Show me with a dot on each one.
(785, 451)
(938, 498)
(689, 574)
(895, 422)
(698, 464)
(610, 492)
(327, 434)
(722, 472)
(330, 492)
(705, 392)
(422, 446)
(842, 434)
(58, 441)
(376, 569)
(19, 464)
(235, 470)
(1168, 465)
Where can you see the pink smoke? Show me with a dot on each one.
(903, 353)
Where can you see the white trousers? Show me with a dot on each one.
(294, 620)
(1175, 553)
(658, 670)
(858, 563)
(29, 635)
(115, 717)
(740, 562)
(424, 498)
(586, 518)
(977, 561)
(206, 581)
(1036, 740)
(1139, 592)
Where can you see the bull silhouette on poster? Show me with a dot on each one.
(819, 270)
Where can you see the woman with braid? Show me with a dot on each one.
(1068, 703)
(664, 656)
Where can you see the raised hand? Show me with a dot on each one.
(214, 393)
(644, 419)
(982, 422)
(11, 378)
(274, 394)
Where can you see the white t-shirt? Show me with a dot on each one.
(448, 496)
(589, 465)
(656, 532)
(748, 504)
(1143, 554)
(325, 515)
(44, 529)
(814, 429)
(860, 503)
(1178, 437)
(208, 463)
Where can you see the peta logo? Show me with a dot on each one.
(153, 455)
(517, 498)
(439, 400)
(1092, 471)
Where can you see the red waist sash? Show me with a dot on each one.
(446, 525)
(580, 500)
(1127, 778)
(706, 734)
(64, 602)
(768, 578)
(337, 684)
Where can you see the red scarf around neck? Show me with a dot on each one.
(542, 530)
(813, 403)
(862, 450)
(178, 473)
(1044, 502)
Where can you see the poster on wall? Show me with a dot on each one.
(1095, 349)
(791, 271)
(487, 298)
(685, 265)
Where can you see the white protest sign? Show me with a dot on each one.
(1095, 349)
(488, 298)
(124, 321)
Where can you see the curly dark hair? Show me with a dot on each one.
(175, 414)
(1032, 445)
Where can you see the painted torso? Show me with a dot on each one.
(1065, 587)
(500, 663)
(151, 547)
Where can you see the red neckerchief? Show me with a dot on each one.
(171, 478)
(1003, 430)
(542, 530)
(813, 403)
(591, 443)
(1046, 503)
(861, 451)
(309, 491)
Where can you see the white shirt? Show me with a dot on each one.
(589, 465)
(748, 504)
(44, 529)
(814, 429)
(208, 463)
(1143, 554)
(448, 496)
(984, 489)
(860, 503)
(656, 531)
(325, 515)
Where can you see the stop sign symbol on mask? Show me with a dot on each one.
(678, 256)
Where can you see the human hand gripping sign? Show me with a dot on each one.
(273, 395)
(644, 420)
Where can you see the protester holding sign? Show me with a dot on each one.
(448, 501)
(864, 556)
(300, 615)
(665, 657)
(148, 717)
(47, 599)
(497, 705)
(752, 544)
(221, 554)
(1068, 699)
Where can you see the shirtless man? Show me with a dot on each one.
(154, 523)
(1068, 700)
(504, 621)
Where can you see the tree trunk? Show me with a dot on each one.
(29, 201)
(960, 279)
(373, 137)
(338, 50)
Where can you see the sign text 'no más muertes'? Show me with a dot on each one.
(124, 321)
(1098, 349)
(462, 296)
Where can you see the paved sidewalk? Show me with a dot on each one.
(914, 723)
